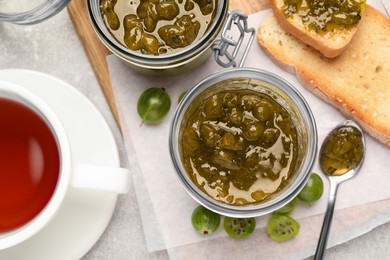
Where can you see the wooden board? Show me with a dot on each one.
(97, 52)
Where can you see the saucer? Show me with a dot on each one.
(85, 213)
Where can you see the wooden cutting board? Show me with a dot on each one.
(97, 52)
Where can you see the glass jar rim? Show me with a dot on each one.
(252, 210)
(113, 44)
(38, 14)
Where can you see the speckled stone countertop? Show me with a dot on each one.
(53, 47)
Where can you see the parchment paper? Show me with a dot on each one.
(166, 207)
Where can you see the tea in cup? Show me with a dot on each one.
(36, 166)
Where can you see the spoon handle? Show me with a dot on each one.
(325, 228)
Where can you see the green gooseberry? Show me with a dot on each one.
(205, 221)
(153, 105)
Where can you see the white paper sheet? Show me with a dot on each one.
(165, 206)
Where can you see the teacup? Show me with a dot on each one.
(36, 166)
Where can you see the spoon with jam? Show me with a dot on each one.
(341, 156)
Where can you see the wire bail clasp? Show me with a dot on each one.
(221, 46)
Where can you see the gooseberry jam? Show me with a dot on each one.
(325, 15)
(239, 146)
(342, 151)
(158, 27)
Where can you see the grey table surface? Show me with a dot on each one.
(53, 47)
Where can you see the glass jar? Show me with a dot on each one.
(29, 11)
(165, 64)
(281, 92)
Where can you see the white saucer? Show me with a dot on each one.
(85, 214)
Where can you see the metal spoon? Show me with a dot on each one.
(335, 180)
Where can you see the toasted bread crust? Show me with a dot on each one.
(356, 82)
(330, 44)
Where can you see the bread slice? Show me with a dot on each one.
(357, 82)
(330, 44)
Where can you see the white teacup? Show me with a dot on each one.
(70, 174)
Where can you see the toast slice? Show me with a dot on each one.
(357, 82)
(330, 42)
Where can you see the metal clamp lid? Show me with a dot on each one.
(221, 46)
